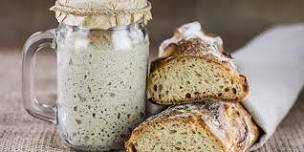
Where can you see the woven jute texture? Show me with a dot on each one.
(19, 132)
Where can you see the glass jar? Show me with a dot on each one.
(101, 83)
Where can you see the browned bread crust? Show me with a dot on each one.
(227, 125)
(197, 48)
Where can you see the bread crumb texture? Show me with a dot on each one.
(184, 79)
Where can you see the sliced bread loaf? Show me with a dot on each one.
(194, 67)
(207, 127)
(192, 73)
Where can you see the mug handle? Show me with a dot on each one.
(34, 44)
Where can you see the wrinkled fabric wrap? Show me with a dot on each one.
(102, 14)
(274, 65)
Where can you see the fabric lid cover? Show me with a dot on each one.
(102, 14)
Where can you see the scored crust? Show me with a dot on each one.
(196, 47)
(227, 124)
(199, 47)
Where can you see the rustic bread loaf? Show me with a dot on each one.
(207, 127)
(192, 72)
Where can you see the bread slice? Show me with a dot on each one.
(193, 73)
(207, 127)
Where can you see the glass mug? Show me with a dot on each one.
(101, 83)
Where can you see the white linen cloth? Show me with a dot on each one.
(274, 65)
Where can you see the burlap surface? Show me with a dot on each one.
(20, 132)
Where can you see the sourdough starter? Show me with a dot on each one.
(101, 85)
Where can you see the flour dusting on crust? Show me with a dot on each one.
(194, 30)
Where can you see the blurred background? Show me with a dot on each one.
(236, 21)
